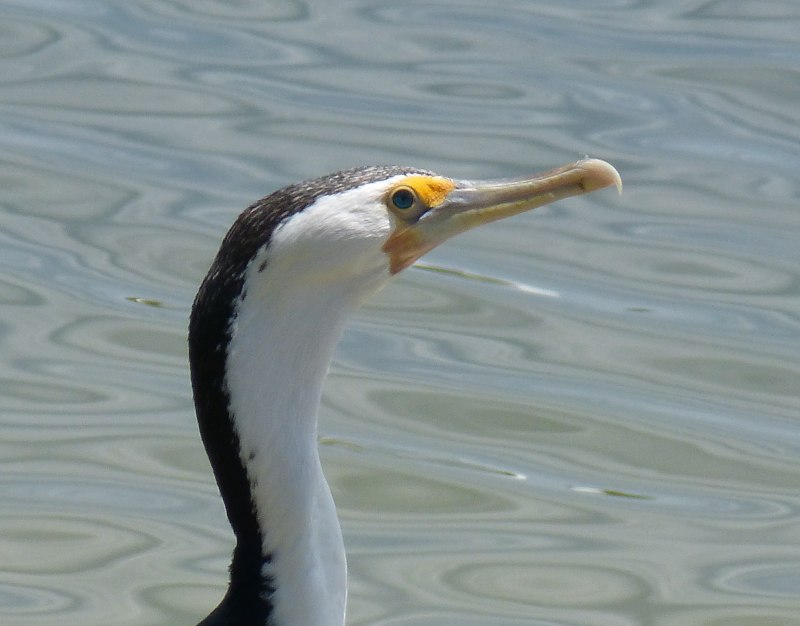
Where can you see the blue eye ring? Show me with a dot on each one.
(403, 198)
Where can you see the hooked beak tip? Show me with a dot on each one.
(599, 175)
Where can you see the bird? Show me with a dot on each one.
(262, 331)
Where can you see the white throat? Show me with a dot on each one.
(287, 325)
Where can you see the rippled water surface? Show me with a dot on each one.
(587, 415)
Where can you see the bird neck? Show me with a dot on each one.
(260, 347)
(262, 332)
(279, 353)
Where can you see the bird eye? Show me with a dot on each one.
(403, 198)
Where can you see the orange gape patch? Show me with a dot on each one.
(432, 190)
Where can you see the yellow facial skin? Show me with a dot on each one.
(431, 190)
(414, 196)
(431, 209)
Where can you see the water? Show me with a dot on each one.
(586, 415)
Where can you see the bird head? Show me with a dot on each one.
(364, 225)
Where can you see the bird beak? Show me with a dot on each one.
(472, 203)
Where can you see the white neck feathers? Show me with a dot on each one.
(288, 322)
